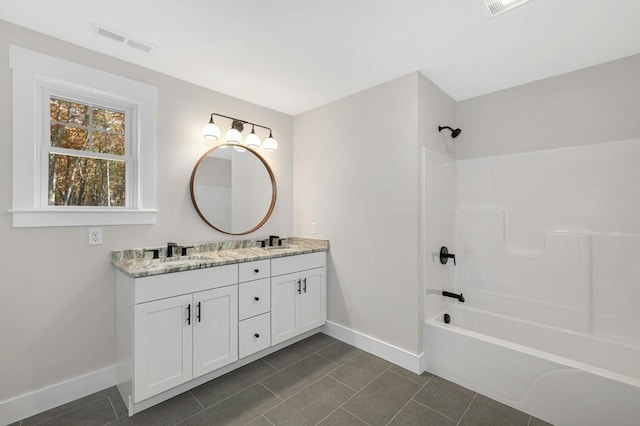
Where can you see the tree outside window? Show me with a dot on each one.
(87, 155)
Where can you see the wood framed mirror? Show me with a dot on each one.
(233, 189)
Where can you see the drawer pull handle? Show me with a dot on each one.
(189, 314)
(304, 281)
(299, 290)
(198, 314)
(255, 271)
(256, 335)
(256, 298)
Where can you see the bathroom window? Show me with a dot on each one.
(84, 145)
(88, 155)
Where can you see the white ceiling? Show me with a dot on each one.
(294, 55)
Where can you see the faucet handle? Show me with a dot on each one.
(170, 247)
(184, 250)
(156, 252)
(445, 255)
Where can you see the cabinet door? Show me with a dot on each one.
(313, 308)
(285, 307)
(163, 344)
(215, 329)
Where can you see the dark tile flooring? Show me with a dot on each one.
(317, 381)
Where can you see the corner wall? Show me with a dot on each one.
(438, 181)
(356, 176)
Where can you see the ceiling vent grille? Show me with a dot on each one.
(121, 38)
(498, 7)
(138, 45)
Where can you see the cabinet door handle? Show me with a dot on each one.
(255, 271)
(304, 281)
(256, 298)
(198, 314)
(189, 314)
(256, 335)
(299, 291)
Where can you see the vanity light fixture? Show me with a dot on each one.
(233, 136)
(454, 132)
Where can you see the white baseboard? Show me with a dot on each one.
(23, 406)
(29, 404)
(403, 358)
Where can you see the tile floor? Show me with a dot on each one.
(317, 381)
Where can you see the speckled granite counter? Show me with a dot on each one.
(139, 263)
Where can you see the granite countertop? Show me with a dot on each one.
(138, 262)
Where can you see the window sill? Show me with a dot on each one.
(69, 217)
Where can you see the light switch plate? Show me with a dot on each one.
(95, 236)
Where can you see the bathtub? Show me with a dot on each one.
(561, 376)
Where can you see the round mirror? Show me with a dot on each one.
(233, 191)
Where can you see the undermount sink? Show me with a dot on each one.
(281, 249)
(182, 259)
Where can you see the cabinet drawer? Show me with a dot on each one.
(254, 298)
(302, 262)
(254, 334)
(250, 271)
(169, 285)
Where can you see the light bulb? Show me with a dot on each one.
(233, 136)
(270, 144)
(252, 141)
(210, 130)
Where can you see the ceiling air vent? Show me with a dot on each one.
(138, 45)
(498, 7)
(121, 38)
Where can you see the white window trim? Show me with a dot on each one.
(34, 71)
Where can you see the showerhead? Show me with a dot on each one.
(454, 132)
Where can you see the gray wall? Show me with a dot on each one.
(596, 104)
(56, 292)
(355, 175)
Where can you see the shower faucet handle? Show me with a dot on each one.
(445, 255)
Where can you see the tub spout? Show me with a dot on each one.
(460, 297)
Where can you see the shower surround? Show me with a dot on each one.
(545, 240)
(555, 235)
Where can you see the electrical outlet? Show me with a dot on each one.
(95, 236)
(314, 228)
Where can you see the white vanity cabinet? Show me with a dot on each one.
(175, 327)
(175, 331)
(298, 295)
